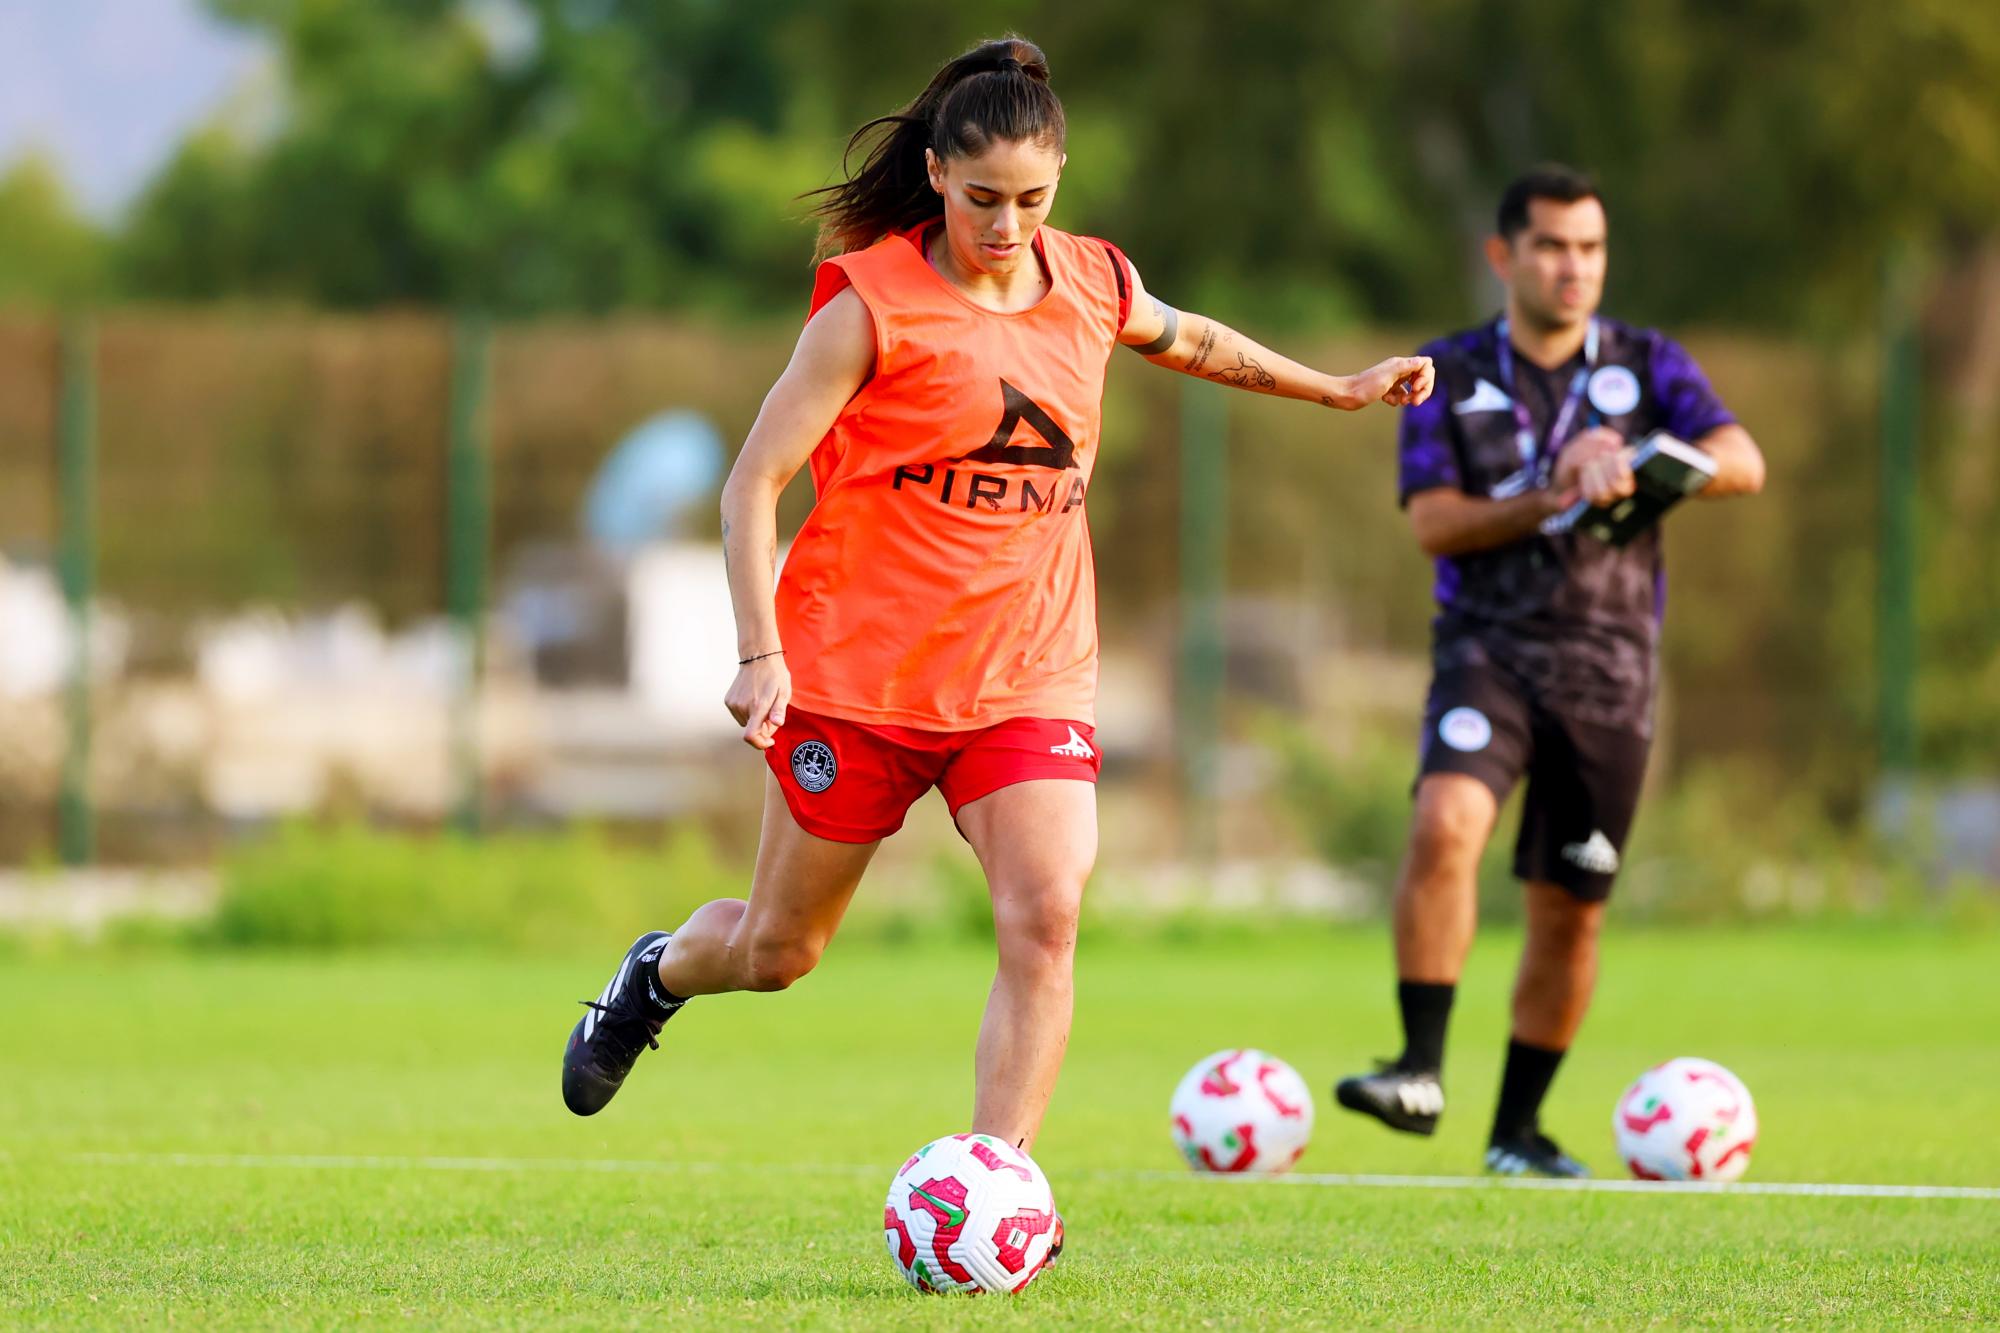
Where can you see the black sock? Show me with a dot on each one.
(1426, 1009)
(664, 1002)
(1530, 1070)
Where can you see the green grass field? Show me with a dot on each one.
(148, 1107)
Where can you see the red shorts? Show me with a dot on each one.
(854, 782)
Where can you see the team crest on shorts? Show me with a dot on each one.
(812, 765)
(1466, 730)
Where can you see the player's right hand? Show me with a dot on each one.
(1583, 450)
(1608, 478)
(757, 699)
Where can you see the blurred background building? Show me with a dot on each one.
(368, 371)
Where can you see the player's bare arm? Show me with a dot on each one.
(1447, 521)
(1597, 465)
(1739, 463)
(834, 357)
(1207, 348)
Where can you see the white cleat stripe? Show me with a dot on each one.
(611, 988)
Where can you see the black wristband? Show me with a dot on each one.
(746, 661)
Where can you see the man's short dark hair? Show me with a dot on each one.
(1563, 184)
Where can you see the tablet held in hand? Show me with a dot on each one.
(1666, 471)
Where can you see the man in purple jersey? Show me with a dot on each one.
(1545, 648)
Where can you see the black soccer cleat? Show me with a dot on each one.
(623, 1021)
(1410, 1100)
(1533, 1154)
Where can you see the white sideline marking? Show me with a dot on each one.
(616, 1166)
(1797, 1189)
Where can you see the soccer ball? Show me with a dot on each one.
(1242, 1111)
(1687, 1119)
(971, 1213)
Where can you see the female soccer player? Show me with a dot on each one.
(936, 621)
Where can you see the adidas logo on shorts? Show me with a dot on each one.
(1076, 747)
(1597, 855)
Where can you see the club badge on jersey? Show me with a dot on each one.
(1614, 391)
(1584, 387)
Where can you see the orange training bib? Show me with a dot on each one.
(944, 579)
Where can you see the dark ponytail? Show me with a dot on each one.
(998, 92)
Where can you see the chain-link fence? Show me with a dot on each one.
(273, 500)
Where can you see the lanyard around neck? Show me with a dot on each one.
(1524, 426)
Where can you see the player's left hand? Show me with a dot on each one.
(1607, 478)
(1414, 387)
(1401, 381)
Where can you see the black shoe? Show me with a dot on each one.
(1407, 1099)
(622, 1021)
(1055, 1247)
(1533, 1154)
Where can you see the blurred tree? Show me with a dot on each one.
(1318, 165)
(190, 233)
(582, 156)
(49, 253)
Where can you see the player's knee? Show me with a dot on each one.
(1446, 834)
(1453, 811)
(772, 964)
(1037, 930)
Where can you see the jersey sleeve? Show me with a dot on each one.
(1689, 405)
(1426, 455)
(1121, 278)
(829, 281)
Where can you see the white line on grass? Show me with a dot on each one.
(1801, 1189)
(616, 1166)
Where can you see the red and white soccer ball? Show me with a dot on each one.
(1242, 1111)
(1687, 1119)
(970, 1213)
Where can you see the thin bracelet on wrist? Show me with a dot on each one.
(746, 661)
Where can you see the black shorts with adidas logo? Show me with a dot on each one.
(1489, 722)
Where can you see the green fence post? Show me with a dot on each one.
(76, 559)
(1204, 527)
(468, 524)
(1896, 581)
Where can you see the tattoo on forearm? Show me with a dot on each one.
(1327, 402)
(1170, 331)
(1245, 374)
(1200, 358)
